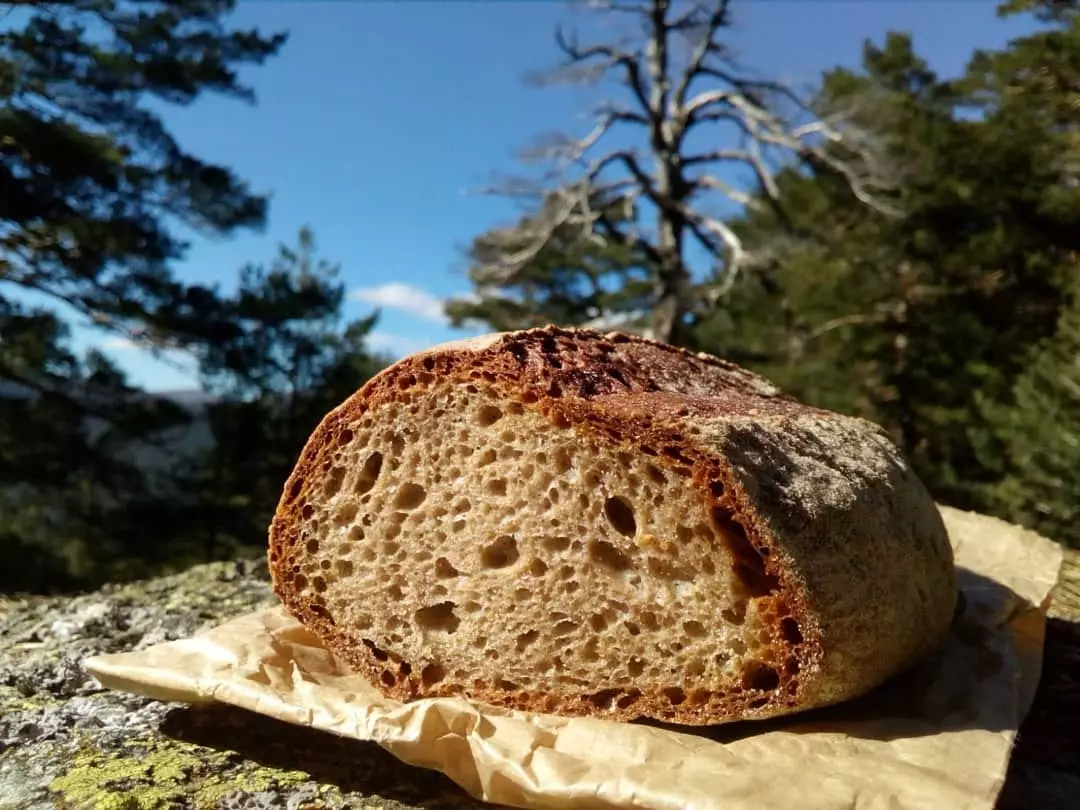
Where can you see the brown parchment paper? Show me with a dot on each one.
(938, 737)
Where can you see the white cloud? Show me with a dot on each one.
(395, 345)
(404, 297)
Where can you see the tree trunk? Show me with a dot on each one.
(671, 285)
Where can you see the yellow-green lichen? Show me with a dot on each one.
(12, 700)
(161, 777)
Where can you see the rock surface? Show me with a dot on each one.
(66, 743)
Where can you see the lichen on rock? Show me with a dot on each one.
(67, 743)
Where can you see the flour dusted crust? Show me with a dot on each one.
(597, 524)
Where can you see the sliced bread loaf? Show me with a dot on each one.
(586, 524)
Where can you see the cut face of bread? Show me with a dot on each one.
(568, 522)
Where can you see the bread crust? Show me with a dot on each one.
(834, 534)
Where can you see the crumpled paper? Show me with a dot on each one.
(937, 737)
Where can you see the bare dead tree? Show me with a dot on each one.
(679, 79)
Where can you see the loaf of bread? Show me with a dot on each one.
(580, 523)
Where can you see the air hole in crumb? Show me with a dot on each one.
(632, 628)
(321, 611)
(627, 700)
(604, 698)
(312, 546)
(505, 685)
(564, 628)
(388, 678)
(432, 674)
(621, 516)
(500, 553)
(537, 567)
(369, 473)
(345, 514)
(409, 496)
(333, 482)
(527, 638)
(487, 457)
(694, 629)
(695, 668)
(675, 695)
(735, 614)
(344, 568)
(307, 511)
(496, 486)
(377, 654)
(789, 629)
(556, 544)
(760, 676)
(488, 415)
(299, 582)
(319, 584)
(749, 564)
(562, 461)
(635, 667)
(598, 622)
(444, 569)
(604, 553)
(438, 617)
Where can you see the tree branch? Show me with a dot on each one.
(717, 19)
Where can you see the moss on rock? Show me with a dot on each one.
(156, 776)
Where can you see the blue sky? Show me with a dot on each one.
(377, 119)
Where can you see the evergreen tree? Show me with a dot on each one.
(292, 360)
(908, 321)
(1040, 430)
(94, 196)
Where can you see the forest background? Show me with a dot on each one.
(882, 240)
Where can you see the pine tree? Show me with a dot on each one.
(95, 194)
(1040, 431)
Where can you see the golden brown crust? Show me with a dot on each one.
(840, 543)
